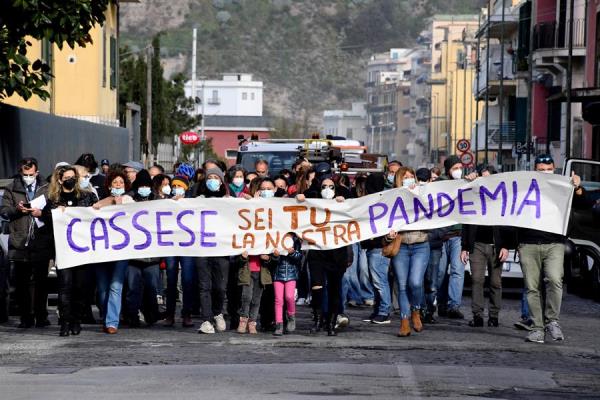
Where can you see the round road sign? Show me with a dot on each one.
(467, 158)
(463, 145)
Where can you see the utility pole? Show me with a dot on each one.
(149, 106)
(478, 67)
(529, 87)
(487, 81)
(194, 40)
(569, 84)
(501, 93)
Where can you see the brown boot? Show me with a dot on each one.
(404, 328)
(252, 327)
(415, 316)
(243, 326)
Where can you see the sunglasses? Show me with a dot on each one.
(327, 187)
(544, 160)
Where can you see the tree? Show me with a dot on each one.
(54, 21)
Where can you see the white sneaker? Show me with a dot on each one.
(206, 327)
(301, 301)
(220, 323)
(342, 321)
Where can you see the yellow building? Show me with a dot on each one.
(453, 106)
(85, 79)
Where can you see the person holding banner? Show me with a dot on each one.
(237, 178)
(111, 276)
(142, 274)
(410, 264)
(212, 271)
(327, 267)
(542, 257)
(65, 191)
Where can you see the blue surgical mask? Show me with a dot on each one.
(213, 184)
(178, 191)
(84, 183)
(391, 177)
(144, 191)
(116, 192)
(408, 182)
(267, 193)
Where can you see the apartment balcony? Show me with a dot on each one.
(495, 24)
(496, 71)
(551, 40)
(505, 133)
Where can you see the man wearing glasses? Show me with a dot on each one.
(542, 257)
(30, 242)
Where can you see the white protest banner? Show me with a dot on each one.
(222, 227)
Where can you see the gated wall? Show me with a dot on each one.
(26, 133)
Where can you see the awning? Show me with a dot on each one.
(579, 95)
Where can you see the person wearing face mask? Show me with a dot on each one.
(410, 264)
(451, 286)
(212, 271)
(161, 186)
(142, 274)
(110, 276)
(180, 186)
(29, 243)
(390, 176)
(237, 181)
(542, 257)
(65, 191)
(327, 267)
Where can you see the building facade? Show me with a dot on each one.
(347, 123)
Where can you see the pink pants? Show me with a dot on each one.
(289, 289)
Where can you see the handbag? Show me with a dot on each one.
(391, 247)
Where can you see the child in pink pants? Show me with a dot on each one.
(285, 275)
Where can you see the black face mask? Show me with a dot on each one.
(69, 184)
(280, 192)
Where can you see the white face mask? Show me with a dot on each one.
(29, 180)
(238, 181)
(547, 172)
(178, 191)
(267, 193)
(408, 182)
(456, 174)
(84, 183)
(166, 190)
(327, 193)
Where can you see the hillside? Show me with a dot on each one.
(311, 54)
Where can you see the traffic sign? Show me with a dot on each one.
(467, 158)
(463, 145)
(189, 138)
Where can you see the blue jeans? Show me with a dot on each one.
(141, 284)
(524, 305)
(109, 279)
(410, 265)
(350, 283)
(188, 273)
(364, 278)
(431, 282)
(379, 266)
(452, 295)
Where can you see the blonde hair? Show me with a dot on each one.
(399, 177)
(55, 186)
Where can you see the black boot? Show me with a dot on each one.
(75, 328)
(317, 322)
(331, 320)
(64, 329)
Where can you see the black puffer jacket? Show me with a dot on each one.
(27, 242)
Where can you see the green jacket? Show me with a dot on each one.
(244, 271)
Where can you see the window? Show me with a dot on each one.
(252, 96)
(349, 133)
(244, 96)
(103, 58)
(214, 98)
(113, 62)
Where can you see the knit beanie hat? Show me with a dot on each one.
(181, 181)
(216, 171)
(449, 162)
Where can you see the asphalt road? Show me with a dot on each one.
(446, 360)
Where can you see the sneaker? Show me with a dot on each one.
(369, 319)
(206, 327)
(352, 303)
(524, 324)
(342, 321)
(455, 313)
(301, 301)
(291, 324)
(536, 336)
(278, 330)
(220, 323)
(381, 319)
(369, 302)
(553, 329)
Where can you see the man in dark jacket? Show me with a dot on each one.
(30, 245)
